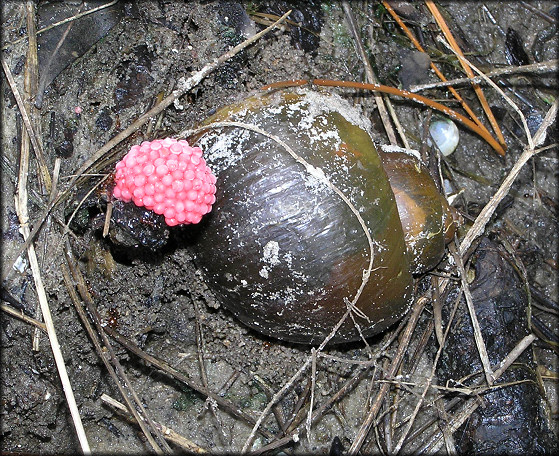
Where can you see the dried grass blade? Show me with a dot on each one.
(457, 420)
(55, 346)
(18, 314)
(478, 337)
(21, 207)
(396, 361)
(485, 215)
(73, 279)
(541, 67)
(37, 148)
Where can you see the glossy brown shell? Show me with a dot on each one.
(427, 219)
(280, 249)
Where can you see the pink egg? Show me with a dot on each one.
(149, 189)
(149, 169)
(177, 185)
(169, 212)
(161, 170)
(139, 180)
(167, 180)
(149, 202)
(176, 148)
(159, 208)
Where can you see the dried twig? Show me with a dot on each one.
(466, 62)
(200, 349)
(106, 352)
(18, 314)
(37, 148)
(395, 364)
(478, 337)
(21, 206)
(542, 67)
(452, 426)
(179, 376)
(485, 215)
(434, 67)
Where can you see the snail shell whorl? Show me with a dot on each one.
(426, 217)
(280, 249)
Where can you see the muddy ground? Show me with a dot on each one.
(117, 66)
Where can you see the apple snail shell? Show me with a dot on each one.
(280, 249)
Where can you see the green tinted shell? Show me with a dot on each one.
(427, 219)
(281, 250)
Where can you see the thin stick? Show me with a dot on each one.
(478, 337)
(450, 38)
(184, 85)
(21, 201)
(485, 215)
(457, 421)
(313, 386)
(394, 366)
(106, 353)
(18, 314)
(37, 148)
(542, 67)
(179, 376)
(200, 346)
(55, 346)
(426, 101)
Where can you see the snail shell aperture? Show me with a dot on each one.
(280, 249)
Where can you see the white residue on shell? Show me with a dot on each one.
(224, 150)
(271, 253)
(320, 103)
(390, 148)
